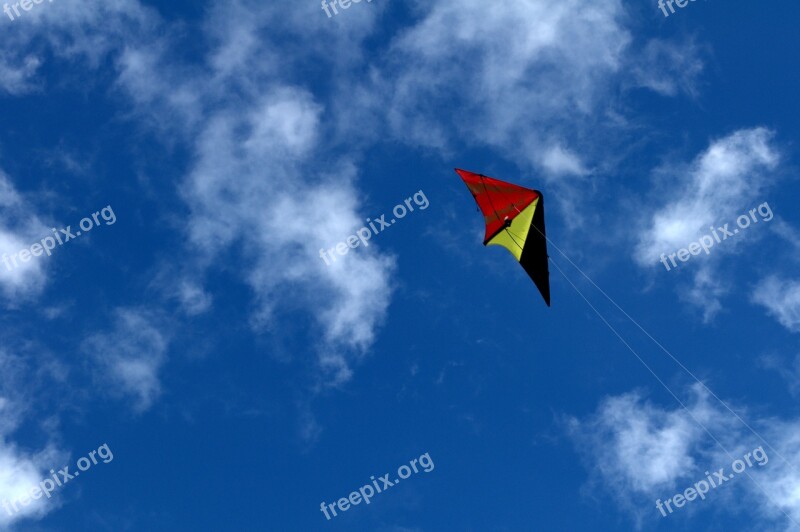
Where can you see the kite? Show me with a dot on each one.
(515, 220)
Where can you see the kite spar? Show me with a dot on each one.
(514, 218)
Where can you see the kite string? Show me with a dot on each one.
(673, 357)
(691, 414)
(511, 235)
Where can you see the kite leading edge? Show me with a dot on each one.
(514, 218)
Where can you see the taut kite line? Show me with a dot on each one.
(514, 218)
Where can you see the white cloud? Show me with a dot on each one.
(669, 68)
(706, 292)
(194, 299)
(20, 227)
(782, 482)
(781, 298)
(160, 90)
(88, 32)
(714, 189)
(20, 472)
(789, 371)
(536, 80)
(719, 185)
(127, 359)
(22, 469)
(281, 218)
(513, 72)
(637, 446)
(560, 161)
(638, 453)
(16, 73)
(255, 189)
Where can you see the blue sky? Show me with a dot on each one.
(238, 382)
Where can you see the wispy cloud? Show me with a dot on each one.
(20, 226)
(21, 468)
(20, 471)
(279, 219)
(717, 186)
(789, 370)
(781, 298)
(87, 34)
(669, 69)
(127, 359)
